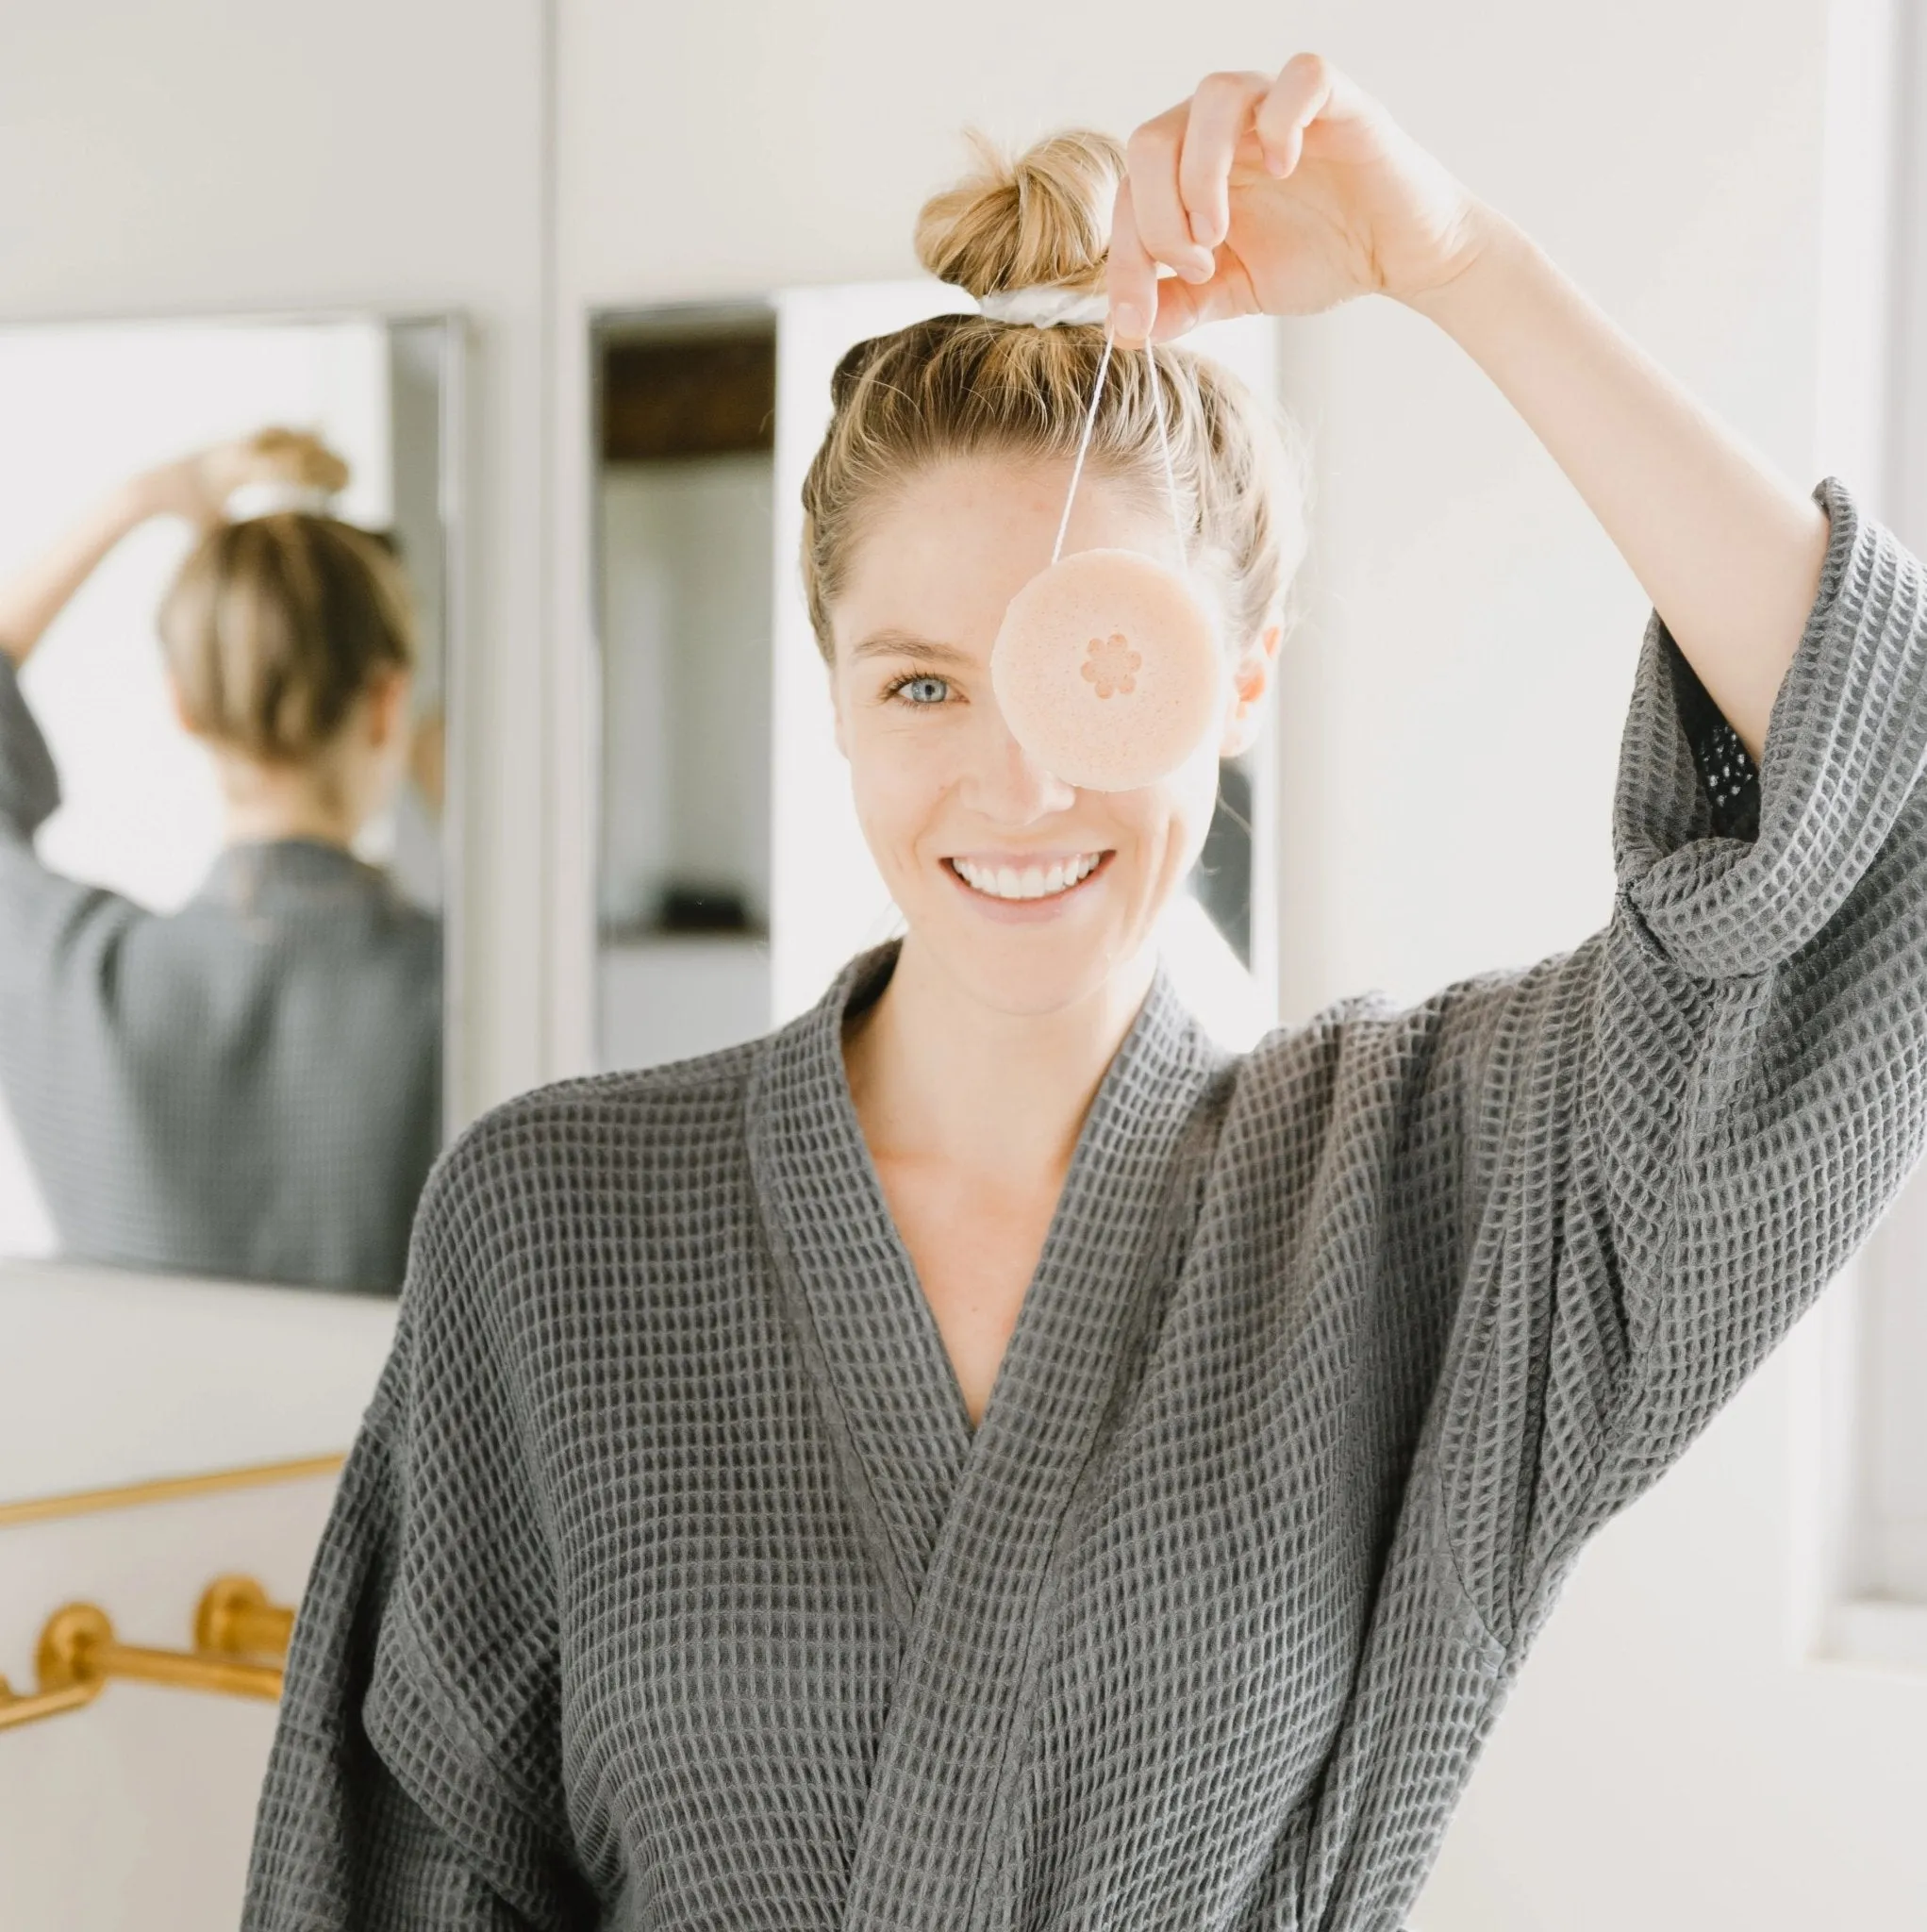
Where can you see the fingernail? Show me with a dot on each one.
(1127, 319)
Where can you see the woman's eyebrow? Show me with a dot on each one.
(903, 644)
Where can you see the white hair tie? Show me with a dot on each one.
(1046, 306)
(272, 495)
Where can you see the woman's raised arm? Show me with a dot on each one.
(195, 487)
(32, 596)
(1287, 196)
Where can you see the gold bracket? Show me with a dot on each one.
(235, 1627)
(235, 1619)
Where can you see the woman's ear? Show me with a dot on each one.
(1251, 683)
(178, 705)
(836, 706)
(387, 705)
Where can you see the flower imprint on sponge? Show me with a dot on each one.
(1108, 663)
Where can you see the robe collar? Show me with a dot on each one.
(964, 1526)
(284, 876)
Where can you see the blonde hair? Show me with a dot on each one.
(965, 384)
(276, 624)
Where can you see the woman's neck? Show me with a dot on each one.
(936, 1074)
(267, 801)
(254, 820)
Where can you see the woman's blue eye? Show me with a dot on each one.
(922, 691)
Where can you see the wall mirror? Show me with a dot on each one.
(225, 989)
(686, 548)
(731, 876)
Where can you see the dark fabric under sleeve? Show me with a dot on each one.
(1679, 1132)
(415, 1780)
(29, 785)
(57, 937)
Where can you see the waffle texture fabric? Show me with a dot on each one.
(250, 1085)
(669, 1587)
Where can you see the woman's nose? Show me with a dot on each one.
(1004, 784)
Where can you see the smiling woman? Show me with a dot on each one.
(954, 810)
(985, 1455)
(938, 494)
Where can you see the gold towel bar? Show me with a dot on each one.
(167, 1488)
(234, 1627)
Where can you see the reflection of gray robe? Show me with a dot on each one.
(250, 1085)
(669, 1586)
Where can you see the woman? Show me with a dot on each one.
(980, 1457)
(250, 1085)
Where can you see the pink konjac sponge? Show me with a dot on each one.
(1108, 670)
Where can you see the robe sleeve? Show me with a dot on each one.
(60, 938)
(56, 932)
(415, 1779)
(1679, 1132)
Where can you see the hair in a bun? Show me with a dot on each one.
(1041, 220)
(968, 385)
(274, 626)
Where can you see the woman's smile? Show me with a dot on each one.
(1026, 888)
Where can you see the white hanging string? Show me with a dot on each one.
(1177, 519)
(1103, 364)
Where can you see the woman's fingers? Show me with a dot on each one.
(1220, 113)
(1308, 88)
(1174, 206)
(1184, 306)
(1145, 308)
(1164, 225)
(1130, 274)
(1174, 203)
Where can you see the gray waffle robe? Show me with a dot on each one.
(250, 1085)
(668, 1584)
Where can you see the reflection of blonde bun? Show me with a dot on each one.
(276, 469)
(293, 455)
(1042, 219)
(270, 497)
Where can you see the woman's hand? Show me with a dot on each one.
(1280, 197)
(1288, 196)
(197, 486)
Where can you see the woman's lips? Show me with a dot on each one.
(1027, 912)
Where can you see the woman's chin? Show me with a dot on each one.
(1024, 956)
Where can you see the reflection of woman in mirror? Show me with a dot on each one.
(982, 1456)
(249, 1086)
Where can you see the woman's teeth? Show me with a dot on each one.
(1031, 882)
